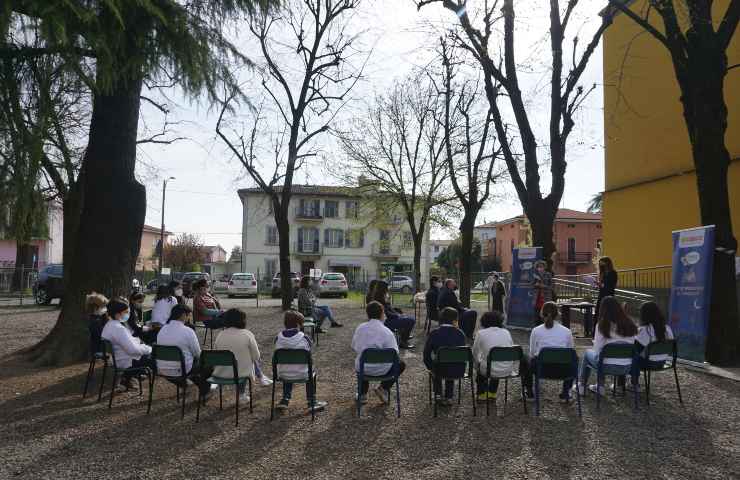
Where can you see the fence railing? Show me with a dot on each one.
(17, 284)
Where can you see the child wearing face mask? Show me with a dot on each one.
(129, 350)
(136, 302)
(176, 291)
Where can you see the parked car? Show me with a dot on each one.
(242, 284)
(295, 277)
(402, 283)
(189, 278)
(49, 284)
(220, 284)
(333, 284)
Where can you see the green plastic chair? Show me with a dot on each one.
(613, 351)
(172, 354)
(109, 355)
(453, 356)
(666, 347)
(374, 356)
(556, 364)
(310, 324)
(289, 356)
(505, 354)
(224, 358)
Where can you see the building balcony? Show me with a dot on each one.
(575, 257)
(385, 250)
(308, 215)
(308, 249)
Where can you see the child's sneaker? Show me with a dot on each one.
(283, 405)
(492, 395)
(265, 381)
(581, 390)
(318, 406)
(564, 398)
(382, 394)
(482, 397)
(593, 389)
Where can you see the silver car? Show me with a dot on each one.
(402, 283)
(333, 284)
(242, 284)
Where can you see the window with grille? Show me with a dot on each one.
(331, 209)
(333, 238)
(271, 237)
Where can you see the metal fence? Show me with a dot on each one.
(17, 284)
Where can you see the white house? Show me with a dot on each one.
(436, 247)
(334, 229)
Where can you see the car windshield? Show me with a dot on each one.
(248, 276)
(333, 276)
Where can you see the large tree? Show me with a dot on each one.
(481, 25)
(470, 150)
(398, 147)
(697, 43)
(114, 46)
(305, 78)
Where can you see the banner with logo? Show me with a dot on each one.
(691, 290)
(520, 312)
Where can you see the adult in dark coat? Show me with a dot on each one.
(498, 293)
(432, 297)
(607, 284)
(448, 298)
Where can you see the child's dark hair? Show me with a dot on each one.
(163, 293)
(198, 284)
(293, 319)
(235, 318)
(492, 319)
(173, 286)
(116, 306)
(650, 314)
(549, 313)
(447, 316)
(374, 310)
(179, 311)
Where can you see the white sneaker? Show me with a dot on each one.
(601, 391)
(265, 381)
(580, 389)
(244, 397)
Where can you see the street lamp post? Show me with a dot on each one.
(161, 233)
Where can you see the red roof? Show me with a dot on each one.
(563, 215)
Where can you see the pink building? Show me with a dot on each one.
(577, 237)
(40, 251)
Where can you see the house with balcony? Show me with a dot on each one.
(334, 229)
(577, 237)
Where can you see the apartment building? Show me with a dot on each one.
(334, 229)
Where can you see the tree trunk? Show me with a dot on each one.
(466, 255)
(541, 217)
(22, 267)
(417, 261)
(112, 206)
(286, 282)
(706, 118)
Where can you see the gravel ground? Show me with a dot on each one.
(48, 431)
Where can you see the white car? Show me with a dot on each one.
(333, 283)
(242, 284)
(402, 283)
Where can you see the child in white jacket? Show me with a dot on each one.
(491, 334)
(293, 338)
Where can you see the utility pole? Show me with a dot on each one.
(161, 233)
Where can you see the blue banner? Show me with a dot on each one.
(520, 312)
(691, 290)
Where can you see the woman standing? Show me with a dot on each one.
(498, 294)
(542, 280)
(607, 282)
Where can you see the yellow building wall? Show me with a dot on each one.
(650, 184)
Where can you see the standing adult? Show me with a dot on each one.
(176, 291)
(448, 298)
(607, 282)
(542, 283)
(498, 294)
(394, 317)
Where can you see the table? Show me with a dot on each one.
(586, 308)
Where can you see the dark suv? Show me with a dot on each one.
(296, 280)
(49, 284)
(191, 277)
